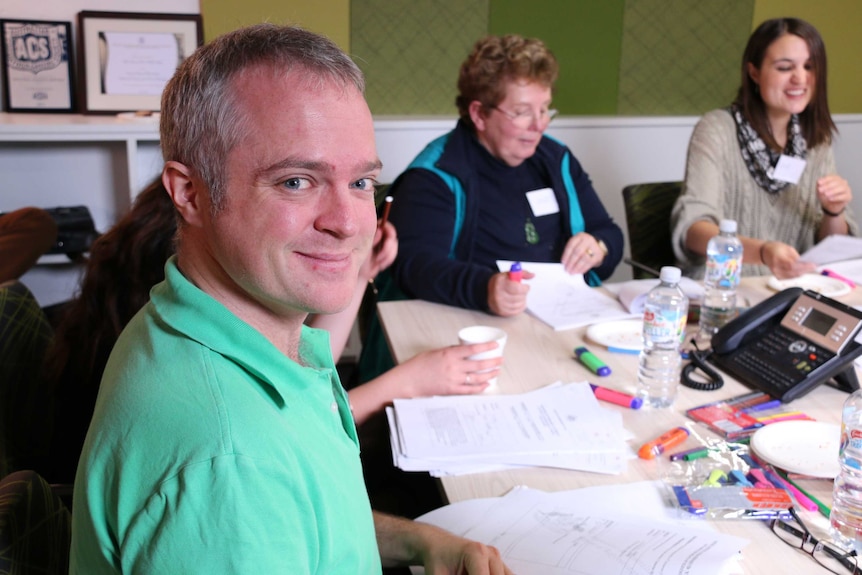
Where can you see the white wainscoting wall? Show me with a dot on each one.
(52, 161)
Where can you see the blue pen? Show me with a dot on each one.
(763, 406)
(628, 350)
(594, 364)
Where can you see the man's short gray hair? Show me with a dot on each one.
(200, 122)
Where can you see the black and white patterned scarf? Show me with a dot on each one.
(760, 158)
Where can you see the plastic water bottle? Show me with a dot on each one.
(665, 315)
(723, 266)
(846, 517)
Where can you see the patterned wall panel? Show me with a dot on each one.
(585, 36)
(681, 57)
(410, 51)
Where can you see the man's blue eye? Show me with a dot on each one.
(293, 183)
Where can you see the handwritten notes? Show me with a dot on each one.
(565, 301)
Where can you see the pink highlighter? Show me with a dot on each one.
(515, 272)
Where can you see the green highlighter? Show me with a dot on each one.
(592, 362)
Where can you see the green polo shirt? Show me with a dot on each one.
(212, 452)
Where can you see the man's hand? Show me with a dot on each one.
(405, 542)
(449, 554)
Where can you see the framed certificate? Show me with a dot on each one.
(37, 66)
(126, 58)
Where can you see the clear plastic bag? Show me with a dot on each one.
(717, 483)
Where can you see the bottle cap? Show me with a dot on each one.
(670, 274)
(727, 226)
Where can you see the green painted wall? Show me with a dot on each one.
(839, 22)
(410, 51)
(586, 38)
(329, 17)
(626, 57)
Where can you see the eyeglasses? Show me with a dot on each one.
(524, 118)
(833, 560)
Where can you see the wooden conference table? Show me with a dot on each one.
(536, 355)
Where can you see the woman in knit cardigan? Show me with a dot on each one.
(766, 161)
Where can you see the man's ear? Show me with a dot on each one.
(186, 191)
(475, 110)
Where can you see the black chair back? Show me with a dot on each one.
(648, 208)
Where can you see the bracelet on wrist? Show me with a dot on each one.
(762, 258)
(603, 247)
(833, 214)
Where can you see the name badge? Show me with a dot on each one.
(543, 202)
(788, 169)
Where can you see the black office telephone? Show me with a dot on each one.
(790, 343)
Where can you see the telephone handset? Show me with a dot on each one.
(790, 343)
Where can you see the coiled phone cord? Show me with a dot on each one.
(698, 362)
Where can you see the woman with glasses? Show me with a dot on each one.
(766, 161)
(496, 187)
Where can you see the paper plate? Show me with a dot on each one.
(806, 447)
(830, 287)
(623, 335)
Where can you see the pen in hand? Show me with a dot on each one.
(387, 206)
(515, 272)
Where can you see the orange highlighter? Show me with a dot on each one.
(672, 438)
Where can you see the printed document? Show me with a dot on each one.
(556, 426)
(834, 248)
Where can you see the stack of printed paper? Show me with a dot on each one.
(556, 426)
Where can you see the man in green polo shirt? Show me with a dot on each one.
(222, 441)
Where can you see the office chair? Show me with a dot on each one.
(35, 526)
(648, 208)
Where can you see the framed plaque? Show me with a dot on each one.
(37, 66)
(126, 58)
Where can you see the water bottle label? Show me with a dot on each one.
(664, 327)
(723, 270)
(851, 444)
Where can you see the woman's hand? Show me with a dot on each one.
(506, 297)
(384, 248)
(783, 260)
(448, 371)
(834, 193)
(582, 253)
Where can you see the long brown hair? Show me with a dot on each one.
(124, 264)
(815, 121)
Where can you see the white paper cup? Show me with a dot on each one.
(484, 334)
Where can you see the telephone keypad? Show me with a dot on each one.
(781, 359)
